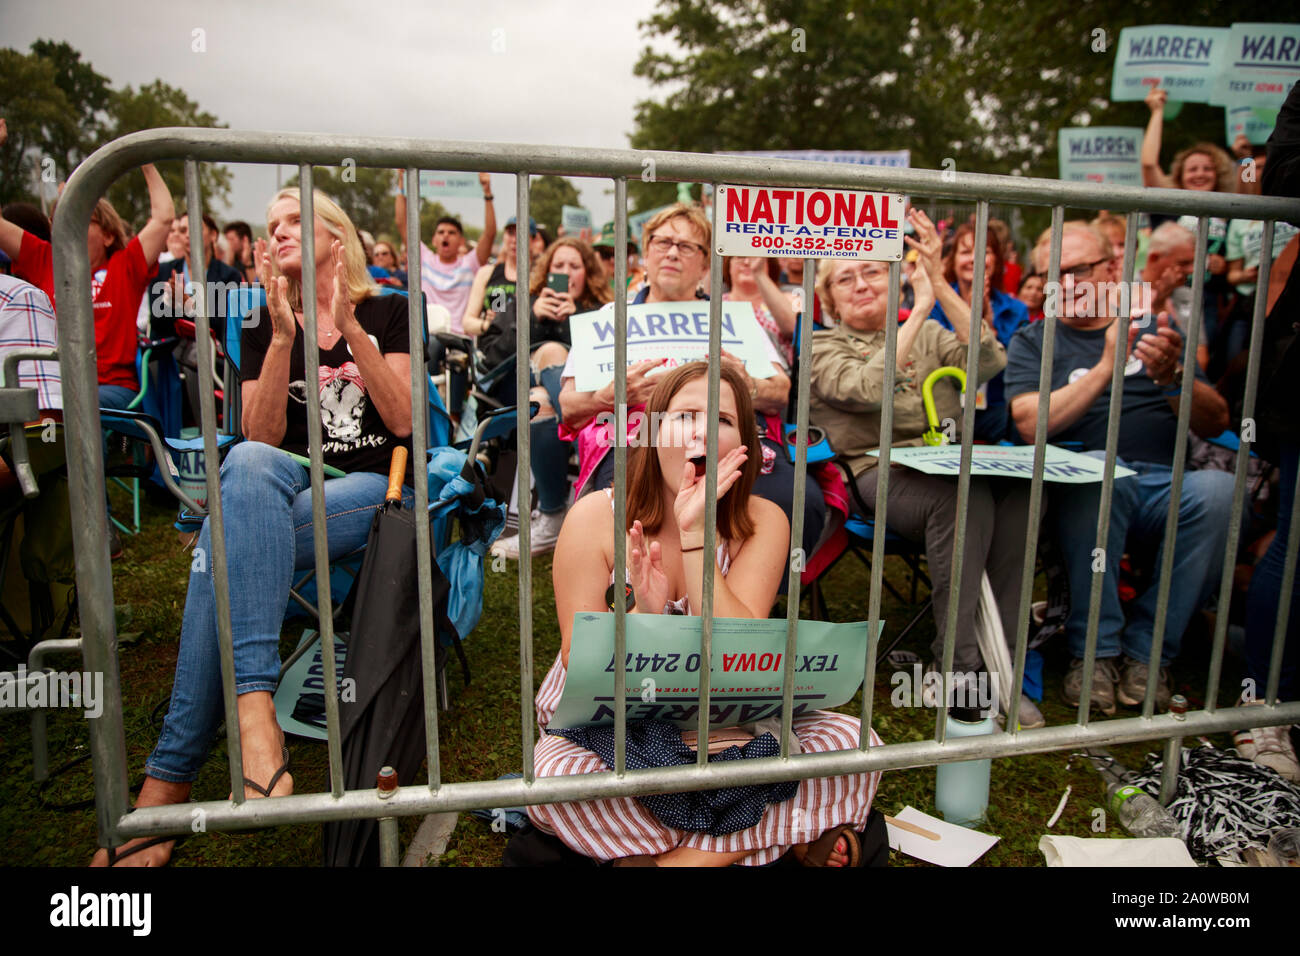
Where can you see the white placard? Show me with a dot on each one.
(676, 331)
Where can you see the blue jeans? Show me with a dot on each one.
(1139, 507)
(266, 502)
(1265, 597)
(549, 452)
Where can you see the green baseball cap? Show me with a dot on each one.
(607, 238)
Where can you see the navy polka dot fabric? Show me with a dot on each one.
(657, 743)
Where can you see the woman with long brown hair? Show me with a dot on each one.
(665, 547)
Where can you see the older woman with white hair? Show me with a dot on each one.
(848, 375)
(364, 381)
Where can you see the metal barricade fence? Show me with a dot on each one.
(94, 581)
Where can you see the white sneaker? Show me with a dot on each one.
(1269, 747)
(545, 532)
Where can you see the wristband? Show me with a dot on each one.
(487, 197)
(1175, 385)
(692, 543)
(689, 550)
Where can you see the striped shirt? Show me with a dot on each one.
(27, 321)
(446, 284)
(617, 828)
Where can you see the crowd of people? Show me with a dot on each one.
(365, 366)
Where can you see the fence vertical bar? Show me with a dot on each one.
(216, 513)
(1284, 605)
(523, 473)
(894, 296)
(1242, 468)
(796, 559)
(1107, 486)
(1191, 337)
(975, 331)
(1169, 768)
(390, 848)
(1043, 401)
(324, 600)
(620, 473)
(710, 502)
(420, 475)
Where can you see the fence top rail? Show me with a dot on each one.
(109, 162)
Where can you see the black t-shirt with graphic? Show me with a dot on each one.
(1148, 426)
(353, 434)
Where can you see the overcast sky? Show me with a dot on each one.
(544, 71)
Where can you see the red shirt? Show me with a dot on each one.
(116, 290)
(1011, 273)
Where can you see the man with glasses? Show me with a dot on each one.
(1082, 365)
(676, 246)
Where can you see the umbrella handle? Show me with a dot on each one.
(396, 472)
(933, 436)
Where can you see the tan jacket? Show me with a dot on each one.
(848, 375)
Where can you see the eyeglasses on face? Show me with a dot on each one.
(1084, 270)
(685, 248)
(868, 273)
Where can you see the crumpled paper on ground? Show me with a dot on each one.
(1104, 851)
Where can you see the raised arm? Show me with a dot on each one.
(483, 248)
(1152, 174)
(153, 237)
(777, 302)
(477, 318)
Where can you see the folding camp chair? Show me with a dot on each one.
(861, 532)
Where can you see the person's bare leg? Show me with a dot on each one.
(261, 741)
(688, 856)
(154, 793)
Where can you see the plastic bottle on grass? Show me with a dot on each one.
(1138, 812)
(961, 791)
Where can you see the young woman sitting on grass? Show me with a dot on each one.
(819, 819)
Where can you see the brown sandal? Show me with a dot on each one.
(820, 851)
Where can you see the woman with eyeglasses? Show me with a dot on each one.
(848, 376)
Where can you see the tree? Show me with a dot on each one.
(36, 112)
(985, 86)
(154, 105)
(89, 95)
(547, 195)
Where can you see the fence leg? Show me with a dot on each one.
(389, 848)
(1169, 769)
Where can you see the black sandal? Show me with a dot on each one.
(284, 768)
(115, 855)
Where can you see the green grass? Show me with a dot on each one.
(479, 737)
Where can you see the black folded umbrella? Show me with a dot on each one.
(384, 726)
